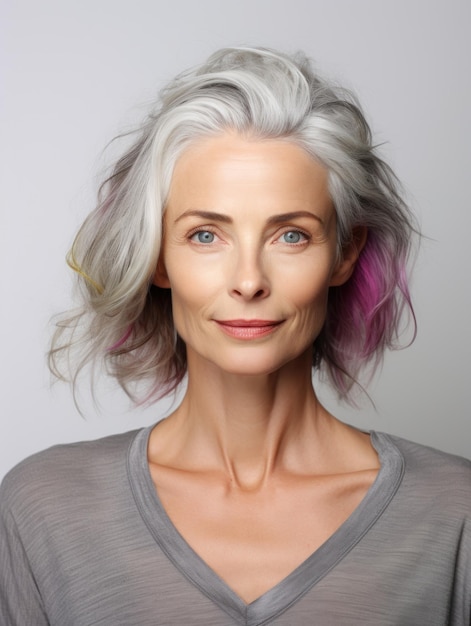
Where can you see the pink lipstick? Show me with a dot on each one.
(248, 329)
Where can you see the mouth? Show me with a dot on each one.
(248, 329)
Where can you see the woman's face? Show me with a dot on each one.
(249, 252)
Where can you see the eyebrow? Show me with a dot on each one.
(274, 219)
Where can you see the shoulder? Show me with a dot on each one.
(432, 474)
(65, 471)
(421, 456)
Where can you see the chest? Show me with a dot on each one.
(376, 568)
(255, 540)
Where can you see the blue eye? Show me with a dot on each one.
(203, 236)
(292, 236)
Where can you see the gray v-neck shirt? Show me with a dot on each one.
(84, 540)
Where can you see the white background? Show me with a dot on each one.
(74, 74)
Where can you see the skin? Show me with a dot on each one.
(251, 469)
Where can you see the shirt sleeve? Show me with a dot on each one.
(461, 604)
(20, 599)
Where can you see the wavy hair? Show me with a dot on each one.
(125, 322)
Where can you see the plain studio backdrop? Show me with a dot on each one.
(75, 74)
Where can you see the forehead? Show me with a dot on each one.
(230, 167)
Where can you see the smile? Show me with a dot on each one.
(248, 329)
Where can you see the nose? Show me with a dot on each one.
(249, 278)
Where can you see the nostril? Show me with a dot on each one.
(249, 294)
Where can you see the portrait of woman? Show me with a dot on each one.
(249, 236)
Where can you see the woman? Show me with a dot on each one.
(250, 234)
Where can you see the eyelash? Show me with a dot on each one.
(208, 229)
(305, 236)
(201, 229)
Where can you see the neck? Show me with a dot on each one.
(247, 426)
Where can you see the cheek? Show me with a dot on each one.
(311, 310)
(194, 278)
(308, 295)
(307, 284)
(192, 291)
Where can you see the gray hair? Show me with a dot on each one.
(126, 322)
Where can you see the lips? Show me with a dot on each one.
(248, 329)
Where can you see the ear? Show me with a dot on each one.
(160, 276)
(350, 253)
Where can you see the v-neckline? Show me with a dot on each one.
(285, 593)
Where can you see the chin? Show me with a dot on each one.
(247, 364)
